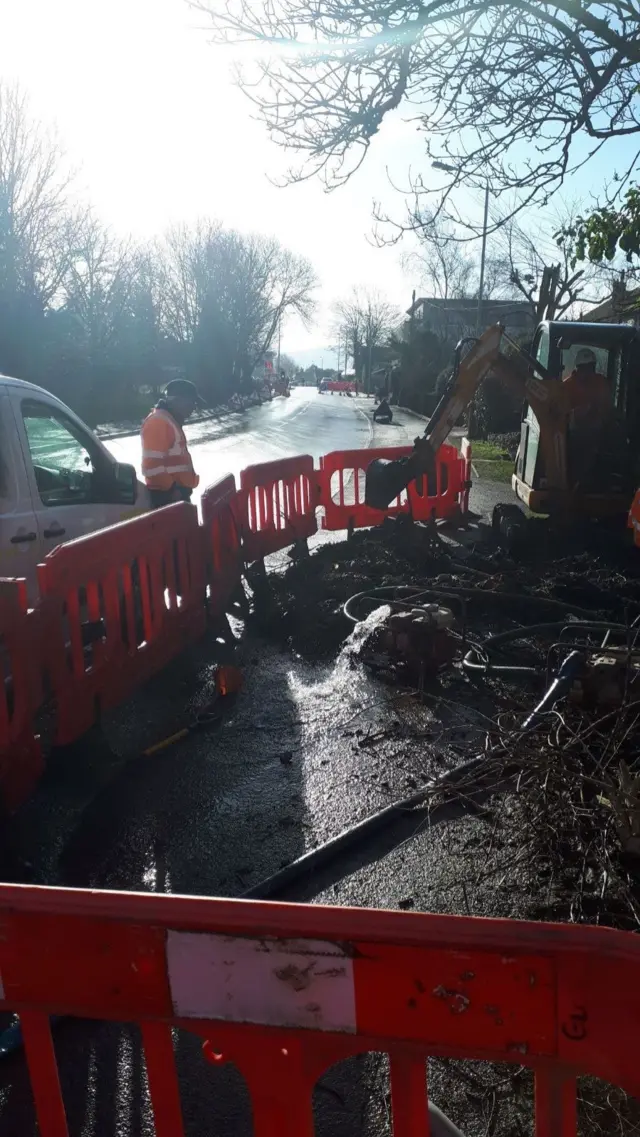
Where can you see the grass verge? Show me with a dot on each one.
(493, 471)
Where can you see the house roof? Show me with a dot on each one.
(611, 310)
(466, 304)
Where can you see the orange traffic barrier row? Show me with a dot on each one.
(278, 504)
(342, 477)
(117, 605)
(222, 533)
(140, 587)
(21, 694)
(283, 992)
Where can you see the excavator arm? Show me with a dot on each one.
(385, 480)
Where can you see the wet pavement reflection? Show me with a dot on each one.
(304, 423)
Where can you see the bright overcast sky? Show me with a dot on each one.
(144, 105)
(147, 112)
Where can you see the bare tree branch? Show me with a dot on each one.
(502, 88)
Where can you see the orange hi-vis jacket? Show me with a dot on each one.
(166, 460)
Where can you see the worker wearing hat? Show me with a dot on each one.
(167, 467)
(589, 392)
(590, 414)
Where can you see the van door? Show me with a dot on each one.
(20, 549)
(72, 479)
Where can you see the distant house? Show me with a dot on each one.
(622, 307)
(455, 319)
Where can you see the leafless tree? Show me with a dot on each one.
(527, 255)
(99, 284)
(364, 320)
(183, 263)
(97, 319)
(36, 224)
(227, 294)
(348, 325)
(524, 261)
(288, 364)
(519, 91)
(440, 261)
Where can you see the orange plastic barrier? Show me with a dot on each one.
(21, 761)
(223, 548)
(278, 502)
(138, 590)
(341, 385)
(285, 991)
(343, 485)
(119, 604)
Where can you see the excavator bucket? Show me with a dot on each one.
(386, 480)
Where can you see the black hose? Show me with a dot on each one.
(309, 863)
(473, 663)
(417, 592)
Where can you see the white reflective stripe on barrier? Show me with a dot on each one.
(287, 983)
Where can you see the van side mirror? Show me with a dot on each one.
(126, 480)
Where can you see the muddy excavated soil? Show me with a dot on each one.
(303, 606)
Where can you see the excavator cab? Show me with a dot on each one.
(606, 485)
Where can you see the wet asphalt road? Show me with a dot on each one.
(213, 815)
(304, 423)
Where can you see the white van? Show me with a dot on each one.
(57, 480)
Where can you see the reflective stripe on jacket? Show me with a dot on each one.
(165, 457)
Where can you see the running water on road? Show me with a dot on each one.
(305, 423)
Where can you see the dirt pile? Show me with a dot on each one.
(304, 606)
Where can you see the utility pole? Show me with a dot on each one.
(485, 224)
(279, 332)
(483, 257)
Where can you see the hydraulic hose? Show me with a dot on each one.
(409, 808)
(473, 662)
(386, 593)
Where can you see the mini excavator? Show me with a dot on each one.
(544, 478)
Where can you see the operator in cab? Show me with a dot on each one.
(591, 413)
(589, 392)
(167, 467)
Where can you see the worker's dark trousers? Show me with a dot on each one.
(167, 497)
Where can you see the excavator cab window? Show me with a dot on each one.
(605, 358)
(615, 468)
(527, 457)
(541, 346)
